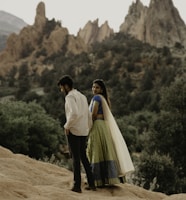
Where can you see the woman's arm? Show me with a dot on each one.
(95, 110)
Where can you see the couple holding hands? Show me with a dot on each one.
(94, 137)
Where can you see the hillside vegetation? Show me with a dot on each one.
(148, 93)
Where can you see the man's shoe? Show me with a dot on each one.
(74, 189)
(90, 188)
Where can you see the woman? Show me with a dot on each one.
(107, 150)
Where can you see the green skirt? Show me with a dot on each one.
(102, 155)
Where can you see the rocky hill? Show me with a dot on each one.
(45, 38)
(24, 178)
(9, 24)
(159, 24)
(92, 33)
(34, 43)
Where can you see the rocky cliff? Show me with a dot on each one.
(159, 24)
(93, 33)
(35, 43)
(45, 38)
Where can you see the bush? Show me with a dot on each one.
(27, 129)
(157, 172)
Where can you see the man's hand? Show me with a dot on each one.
(67, 131)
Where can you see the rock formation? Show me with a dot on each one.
(135, 21)
(43, 36)
(40, 18)
(93, 33)
(159, 24)
(24, 178)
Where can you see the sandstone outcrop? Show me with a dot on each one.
(36, 42)
(24, 178)
(92, 33)
(159, 24)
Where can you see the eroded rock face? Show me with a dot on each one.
(135, 21)
(40, 18)
(23, 44)
(39, 38)
(23, 177)
(93, 33)
(159, 24)
(55, 41)
(27, 39)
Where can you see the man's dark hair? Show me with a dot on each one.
(66, 80)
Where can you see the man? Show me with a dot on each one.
(77, 126)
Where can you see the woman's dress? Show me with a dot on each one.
(106, 150)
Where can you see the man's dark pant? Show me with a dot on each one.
(77, 146)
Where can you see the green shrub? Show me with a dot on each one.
(157, 172)
(27, 129)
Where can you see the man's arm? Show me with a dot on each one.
(72, 111)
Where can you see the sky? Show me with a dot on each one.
(74, 14)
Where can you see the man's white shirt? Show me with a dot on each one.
(78, 116)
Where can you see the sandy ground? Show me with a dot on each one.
(24, 178)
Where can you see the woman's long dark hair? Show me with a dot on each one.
(101, 83)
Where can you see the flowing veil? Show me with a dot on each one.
(123, 156)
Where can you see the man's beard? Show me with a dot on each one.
(65, 91)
